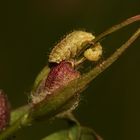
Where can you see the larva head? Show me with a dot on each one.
(68, 48)
(94, 54)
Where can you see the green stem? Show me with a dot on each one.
(117, 27)
(108, 32)
(88, 77)
(18, 113)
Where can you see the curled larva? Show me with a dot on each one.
(94, 54)
(67, 48)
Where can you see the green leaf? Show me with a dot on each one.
(74, 133)
(62, 135)
(69, 134)
(42, 75)
(89, 134)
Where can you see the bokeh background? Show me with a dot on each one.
(28, 31)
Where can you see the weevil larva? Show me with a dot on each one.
(68, 48)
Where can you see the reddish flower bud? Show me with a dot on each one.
(4, 111)
(60, 75)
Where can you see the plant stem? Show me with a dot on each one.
(117, 27)
(105, 64)
(108, 32)
(18, 113)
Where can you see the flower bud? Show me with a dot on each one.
(59, 76)
(4, 111)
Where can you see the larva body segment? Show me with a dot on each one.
(70, 46)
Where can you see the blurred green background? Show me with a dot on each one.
(28, 31)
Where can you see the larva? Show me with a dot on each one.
(67, 48)
(94, 54)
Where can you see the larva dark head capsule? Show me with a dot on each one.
(4, 111)
(68, 48)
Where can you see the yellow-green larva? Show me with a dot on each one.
(70, 46)
(94, 54)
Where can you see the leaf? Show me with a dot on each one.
(62, 135)
(89, 134)
(69, 134)
(42, 75)
(74, 133)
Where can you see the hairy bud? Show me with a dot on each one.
(4, 111)
(60, 75)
